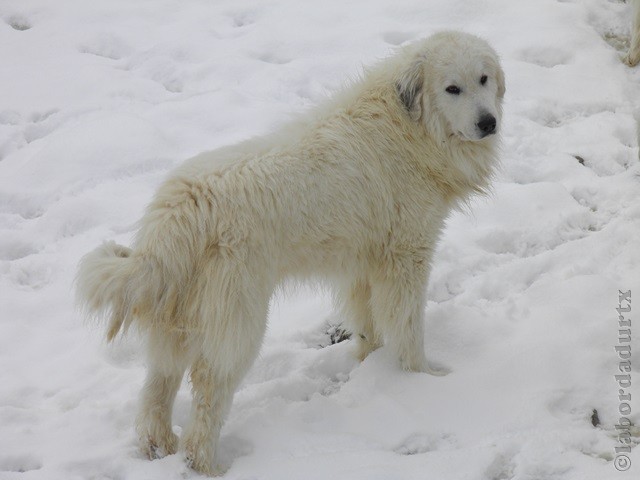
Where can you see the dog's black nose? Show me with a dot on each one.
(487, 124)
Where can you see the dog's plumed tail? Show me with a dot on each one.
(107, 285)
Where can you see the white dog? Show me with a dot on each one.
(632, 58)
(355, 195)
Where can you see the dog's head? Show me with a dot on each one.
(452, 82)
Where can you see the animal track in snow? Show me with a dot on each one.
(14, 248)
(18, 22)
(546, 57)
(23, 130)
(25, 206)
(159, 67)
(554, 115)
(9, 117)
(244, 18)
(271, 57)
(19, 463)
(422, 443)
(502, 468)
(106, 45)
(235, 23)
(41, 124)
(30, 273)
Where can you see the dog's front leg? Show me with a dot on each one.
(397, 304)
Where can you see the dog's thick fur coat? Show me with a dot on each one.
(355, 194)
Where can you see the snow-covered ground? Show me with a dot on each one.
(100, 99)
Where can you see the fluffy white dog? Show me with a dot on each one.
(354, 194)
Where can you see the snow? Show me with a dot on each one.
(99, 100)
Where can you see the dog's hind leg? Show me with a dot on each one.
(230, 345)
(356, 307)
(166, 366)
(213, 390)
(212, 396)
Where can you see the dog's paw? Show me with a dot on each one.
(421, 365)
(203, 464)
(159, 447)
(364, 347)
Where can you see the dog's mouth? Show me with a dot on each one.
(488, 134)
(466, 138)
(463, 137)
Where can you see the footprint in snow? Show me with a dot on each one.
(19, 463)
(547, 57)
(18, 22)
(271, 57)
(15, 248)
(244, 18)
(502, 468)
(423, 443)
(106, 45)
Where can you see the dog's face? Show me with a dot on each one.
(455, 87)
(465, 92)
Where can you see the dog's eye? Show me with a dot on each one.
(483, 79)
(453, 90)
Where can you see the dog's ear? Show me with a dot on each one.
(410, 88)
(499, 78)
(501, 85)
